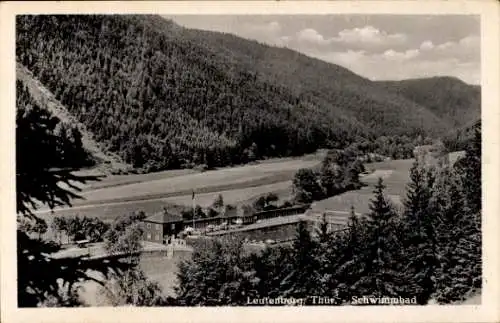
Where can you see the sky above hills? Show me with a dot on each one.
(379, 47)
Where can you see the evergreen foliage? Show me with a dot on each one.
(339, 172)
(133, 288)
(381, 257)
(470, 169)
(447, 97)
(432, 251)
(163, 96)
(45, 161)
(217, 274)
(306, 186)
(420, 240)
(304, 277)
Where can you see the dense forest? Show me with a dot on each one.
(447, 97)
(163, 96)
(47, 153)
(457, 139)
(69, 138)
(429, 251)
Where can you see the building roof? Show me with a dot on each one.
(283, 220)
(163, 217)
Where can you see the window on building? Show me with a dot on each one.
(157, 236)
(172, 226)
(158, 227)
(149, 225)
(149, 236)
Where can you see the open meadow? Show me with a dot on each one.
(157, 268)
(118, 195)
(395, 174)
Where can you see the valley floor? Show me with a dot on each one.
(123, 194)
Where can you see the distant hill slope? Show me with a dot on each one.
(458, 139)
(327, 85)
(106, 161)
(447, 97)
(162, 96)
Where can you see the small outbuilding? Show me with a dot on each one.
(162, 226)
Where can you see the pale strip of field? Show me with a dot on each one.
(379, 173)
(110, 211)
(395, 174)
(117, 180)
(231, 176)
(359, 199)
(235, 196)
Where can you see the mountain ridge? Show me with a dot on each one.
(163, 96)
(448, 97)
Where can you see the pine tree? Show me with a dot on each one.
(459, 242)
(346, 248)
(304, 278)
(326, 249)
(381, 211)
(45, 177)
(218, 203)
(381, 256)
(218, 273)
(471, 169)
(458, 206)
(272, 266)
(322, 230)
(420, 238)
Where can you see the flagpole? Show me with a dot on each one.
(194, 207)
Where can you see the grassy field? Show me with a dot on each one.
(163, 270)
(236, 196)
(117, 180)
(395, 174)
(210, 181)
(157, 268)
(123, 194)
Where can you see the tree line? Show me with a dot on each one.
(430, 251)
(45, 160)
(161, 100)
(339, 172)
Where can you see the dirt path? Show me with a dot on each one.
(107, 162)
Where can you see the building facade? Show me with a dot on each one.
(162, 227)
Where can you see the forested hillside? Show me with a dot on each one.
(447, 97)
(69, 139)
(163, 96)
(428, 251)
(457, 138)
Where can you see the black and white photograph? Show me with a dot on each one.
(249, 160)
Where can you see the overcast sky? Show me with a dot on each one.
(379, 47)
